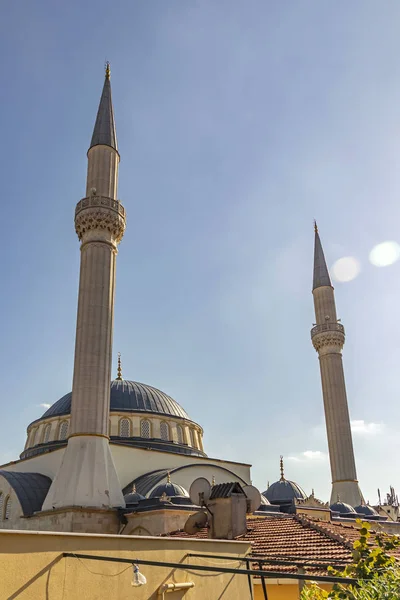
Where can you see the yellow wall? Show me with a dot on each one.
(32, 568)
(281, 591)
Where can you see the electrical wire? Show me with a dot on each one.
(103, 574)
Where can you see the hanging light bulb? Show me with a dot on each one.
(138, 578)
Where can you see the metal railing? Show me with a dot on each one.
(263, 574)
(100, 201)
(327, 327)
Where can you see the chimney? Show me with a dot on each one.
(228, 507)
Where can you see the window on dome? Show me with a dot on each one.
(164, 431)
(145, 429)
(7, 508)
(46, 434)
(179, 432)
(192, 438)
(1, 504)
(124, 428)
(63, 434)
(33, 438)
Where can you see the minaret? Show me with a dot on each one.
(87, 475)
(328, 339)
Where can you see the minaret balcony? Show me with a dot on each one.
(327, 327)
(100, 213)
(327, 336)
(100, 201)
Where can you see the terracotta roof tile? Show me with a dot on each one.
(292, 538)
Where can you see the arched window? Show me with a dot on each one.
(124, 428)
(1, 504)
(63, 434)
(46, 433)
(7, 508)
(179, 432)
(164, 431)
(33, 436)
(145, 428)
(192, 438)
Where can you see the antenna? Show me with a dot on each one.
(195, 523)
(200, 491)
(253, 497)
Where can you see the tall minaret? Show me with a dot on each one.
(328, 339)
(87, 475)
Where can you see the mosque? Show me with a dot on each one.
(119, 456)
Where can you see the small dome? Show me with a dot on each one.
(365, 509)
(283, 491)
(342, 508)
(169, 489)
(133, 497)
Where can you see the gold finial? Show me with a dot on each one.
(108, 70)
(134, 488)
(119, 370)
(281, 465)
(169, 477)
(315, 226)
(213, 481)
(338, 498)
(267, 484)
(312, 492)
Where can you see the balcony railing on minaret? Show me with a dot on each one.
(327, 327)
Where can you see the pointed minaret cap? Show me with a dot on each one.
(104, 132)
(321, 274)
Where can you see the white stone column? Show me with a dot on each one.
(87, 476)
(328, 338)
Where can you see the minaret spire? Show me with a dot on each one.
(104, 132)
(87, 475)
(321, 274)
(328, 339)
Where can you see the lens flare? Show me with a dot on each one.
(384, 254)
(346, 269)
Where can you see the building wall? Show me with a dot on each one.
(156, 522)
(132, 462)
(74, 519)
(281, 589)
(31, 567)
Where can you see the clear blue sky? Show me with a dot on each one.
(238, 123)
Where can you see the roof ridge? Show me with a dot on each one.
(327, 532)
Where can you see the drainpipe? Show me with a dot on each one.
(173, 587)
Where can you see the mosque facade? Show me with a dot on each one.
(116, 454)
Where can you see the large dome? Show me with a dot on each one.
(128, 396)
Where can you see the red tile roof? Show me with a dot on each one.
(296, 538)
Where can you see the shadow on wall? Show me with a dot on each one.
(46, 570)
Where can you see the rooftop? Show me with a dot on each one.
(296, 537)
